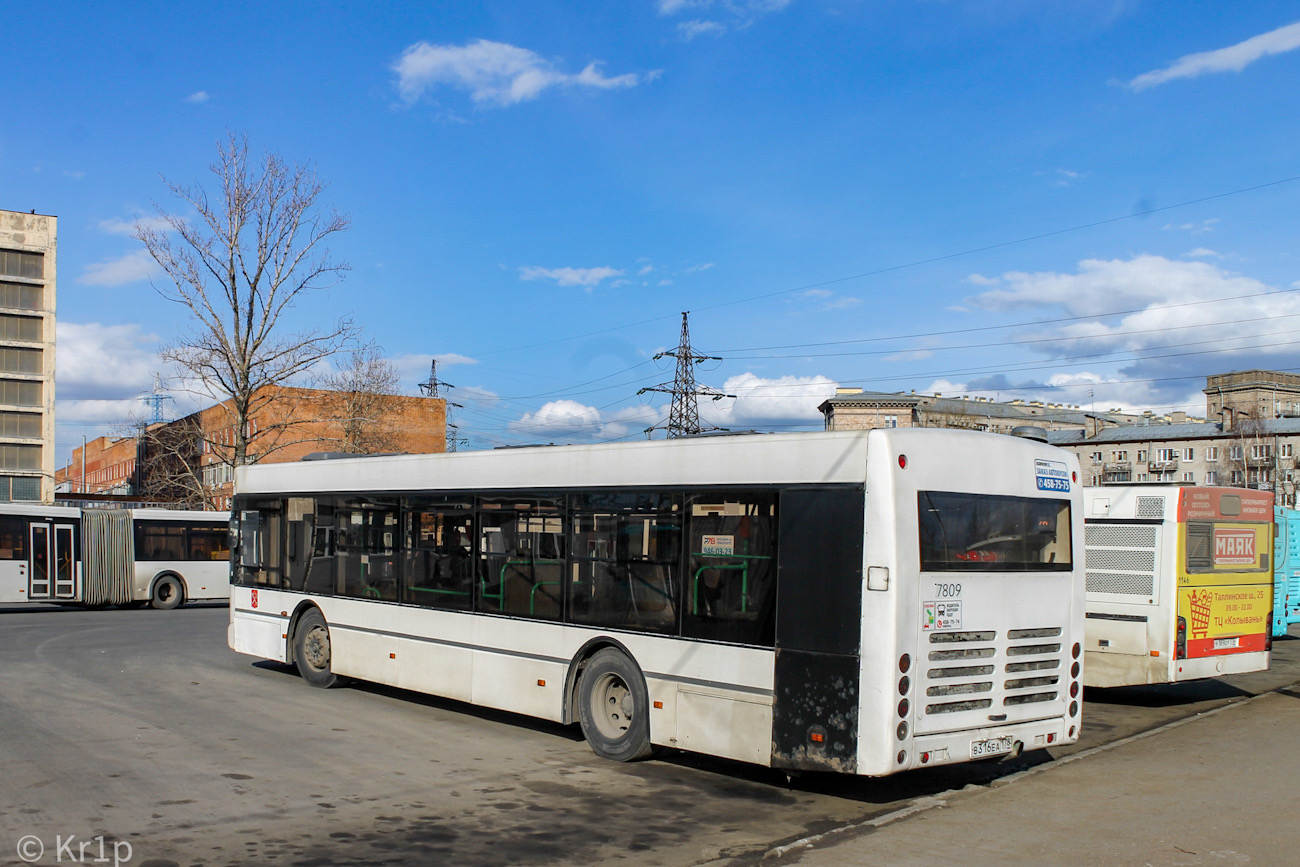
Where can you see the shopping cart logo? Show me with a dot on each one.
(1200, 601)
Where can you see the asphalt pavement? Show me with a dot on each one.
(1216, 788)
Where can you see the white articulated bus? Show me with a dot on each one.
(1179, 583)
(66, 554)
(861, 602)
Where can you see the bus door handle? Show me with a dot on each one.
(877, 577)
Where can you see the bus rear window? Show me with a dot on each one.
(990, 533)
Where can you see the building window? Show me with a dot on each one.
(1261, 451)
(1166, 455)
(1142, 456)
(20, 296)
(20, 424)
(16, 488)
(1286, 450)
(14, 457)
(1211, 477)
(1120, 457)
(1143, 477)
(1189, 453)
(14, 360)
(1236, 453)
(1096, 457)
(28, 329)
(891, 421)
(1189, 477)
(1211, 453)
(1237, 477)
(15, 263)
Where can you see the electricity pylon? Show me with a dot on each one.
(684, 414)
(431, 387)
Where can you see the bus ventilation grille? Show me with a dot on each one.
(1150, 507)
(967, 665)
(1120, 558)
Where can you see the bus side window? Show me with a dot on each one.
(730, 580)
(521, 557)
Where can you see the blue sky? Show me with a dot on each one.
(1084, 202)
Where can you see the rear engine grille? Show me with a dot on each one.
(1027, 680)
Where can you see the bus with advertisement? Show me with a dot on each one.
(1179, 583)
(850, 601)
(1286, 569)
(110, 556)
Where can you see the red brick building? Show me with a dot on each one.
(190, 460)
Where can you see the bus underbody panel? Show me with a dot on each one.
(815, 719)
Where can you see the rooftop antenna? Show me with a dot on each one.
(684, 414)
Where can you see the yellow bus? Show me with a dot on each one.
(1179, 583)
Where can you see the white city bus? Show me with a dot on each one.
(862, 602)
(1179, 583)
(65, 554)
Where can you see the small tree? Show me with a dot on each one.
(170, 465)
(237, 267)
(362, 393)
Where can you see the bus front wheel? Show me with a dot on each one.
(613, 707)
(311, 650)
(167, 593)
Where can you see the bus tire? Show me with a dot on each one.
(614, 707)
(311, 650)
(167, 593)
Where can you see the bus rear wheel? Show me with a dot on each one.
(613, 707)
(167, 593)
(311, 650)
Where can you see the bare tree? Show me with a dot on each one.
(247, 257)
(362, 393)
(170, 465)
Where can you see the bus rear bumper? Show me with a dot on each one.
(992, 743)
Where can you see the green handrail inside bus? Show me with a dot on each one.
(743, 566)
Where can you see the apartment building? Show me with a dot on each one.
(28, 246)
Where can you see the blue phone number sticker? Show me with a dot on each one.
(1052, 475)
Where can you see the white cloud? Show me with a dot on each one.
(570, 421)
(1166, 341)
(981, 280)
(724, 15)
(97, 361)
(494, 73)
(588, 278)
(691, 29)
(1194, 228)
(1234, 58)
(764, 401)
(131, 268)
(198, 97)
(1202, 253)
(117, 226)
(702, 267)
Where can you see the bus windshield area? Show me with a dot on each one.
(962, 532)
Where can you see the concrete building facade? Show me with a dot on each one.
(855, 409)
(28, 271)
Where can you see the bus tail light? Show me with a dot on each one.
(1180, 642)
(904, 663)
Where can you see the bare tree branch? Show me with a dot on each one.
(247, 257)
